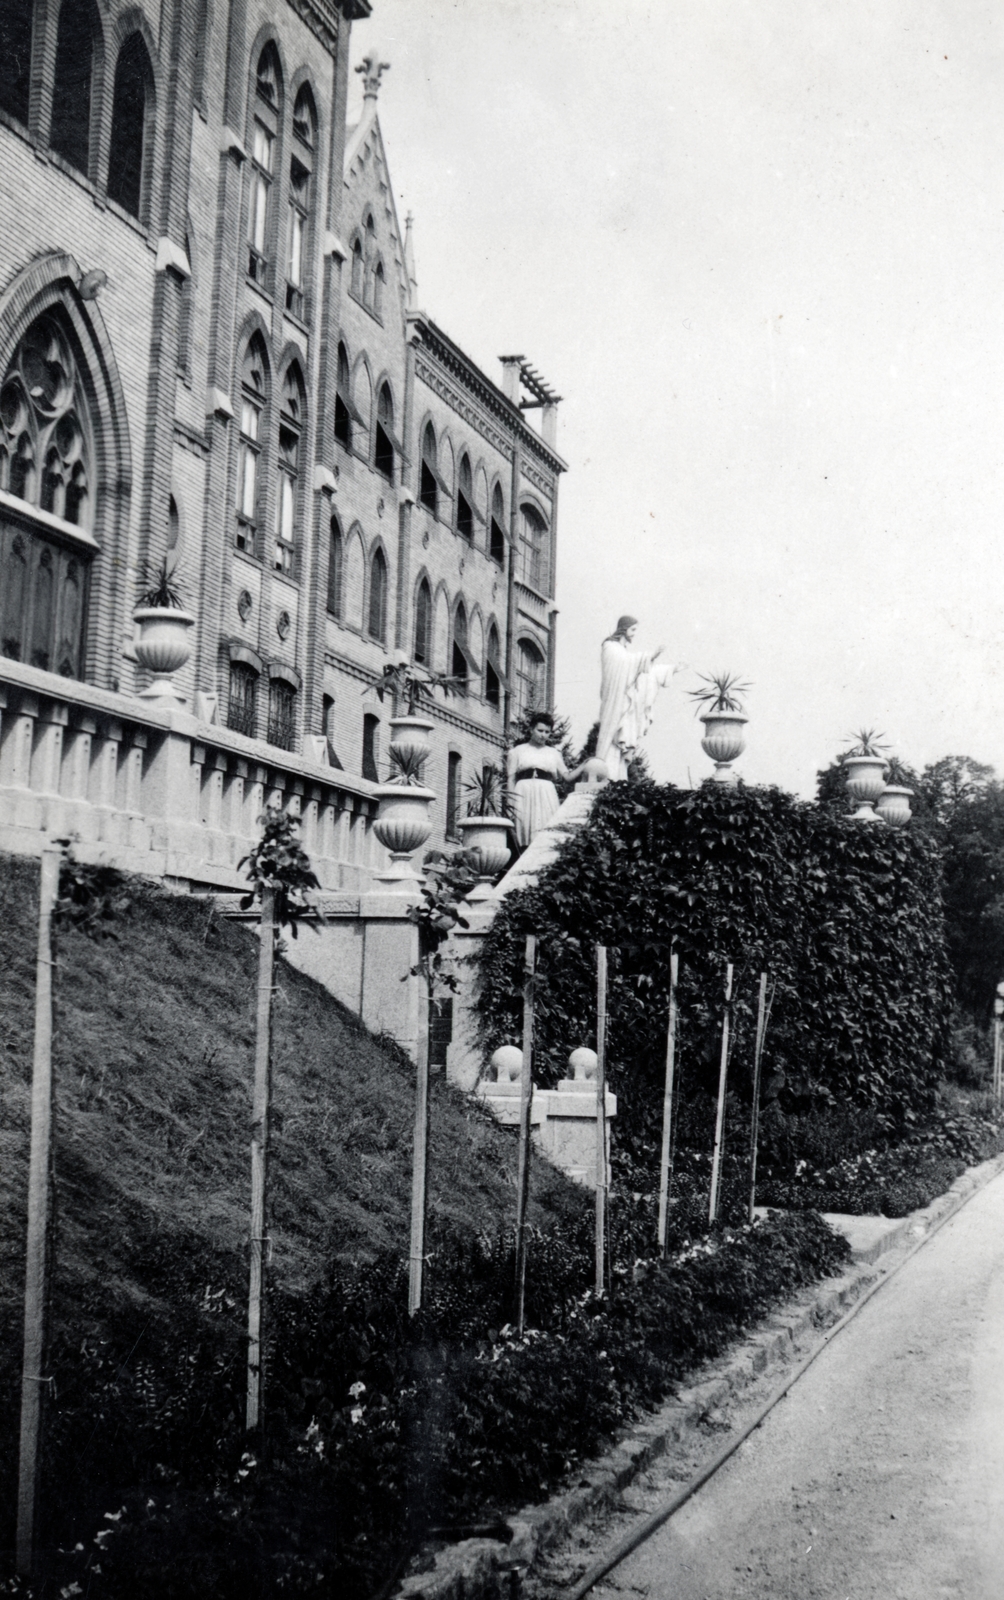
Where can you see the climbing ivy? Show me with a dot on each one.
(846, 917)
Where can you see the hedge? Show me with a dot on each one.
(846, 917)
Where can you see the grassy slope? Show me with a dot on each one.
(153, 1063)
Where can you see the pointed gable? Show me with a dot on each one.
(369, 195)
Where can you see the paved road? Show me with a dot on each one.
(881, 1476)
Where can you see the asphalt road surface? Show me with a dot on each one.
(881, 1475)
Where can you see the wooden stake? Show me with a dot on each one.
(525, 1109)
(761, 1024)
(997, 1062)
(601, 1117)
(667, 1103)
(36, 1264)
(420, 1155)
(720, 1118)
(259, 1151)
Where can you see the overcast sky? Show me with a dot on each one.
(758, 247)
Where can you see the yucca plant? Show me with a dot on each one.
(722, 694)
(407, 768)
(160, 585)
(486, 793)
(867, 743)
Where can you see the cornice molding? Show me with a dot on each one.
(443, 350)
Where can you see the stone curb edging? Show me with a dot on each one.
(484, 1569)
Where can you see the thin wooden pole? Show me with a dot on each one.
(997, 1061)
(36, 1264)
(761, 1024)
(601, 1117)
(525, 1110)
(420, 1155)
(667, 1103)
(720, 1118)
(259, 1151)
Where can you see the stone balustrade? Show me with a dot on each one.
(150, 788)
(562, 1120)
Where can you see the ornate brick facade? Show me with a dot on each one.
(209, 340)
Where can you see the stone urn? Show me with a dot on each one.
(894, 805)
(865, 782)
(723, 741)
(410, 738)
(163, 647)
(402, 826)
(488, 838)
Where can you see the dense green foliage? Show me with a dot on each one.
(382, 1428)
(846, 918)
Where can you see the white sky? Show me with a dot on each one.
(757, 246)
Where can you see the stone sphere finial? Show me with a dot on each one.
(583, 1064)
(508, 1063)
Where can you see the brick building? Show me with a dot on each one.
(210, 341)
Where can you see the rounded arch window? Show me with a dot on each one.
(530, 676)
(533, 548)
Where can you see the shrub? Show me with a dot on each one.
(846, 918)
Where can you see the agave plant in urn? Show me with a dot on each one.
(865, 765)
(163, 644)
(485, 829)
(412, 688)
(723, 719)
(402, 823)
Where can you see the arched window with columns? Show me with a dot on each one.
(47, 463)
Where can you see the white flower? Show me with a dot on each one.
(356, 1389)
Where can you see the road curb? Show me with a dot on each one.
(483, 1569)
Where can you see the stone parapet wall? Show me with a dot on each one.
(150, 788)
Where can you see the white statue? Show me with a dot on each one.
(629, 683)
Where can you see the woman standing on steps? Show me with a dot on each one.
(532, 770)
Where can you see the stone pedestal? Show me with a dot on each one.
(562, 1120)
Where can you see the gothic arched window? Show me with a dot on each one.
(264, 134)
(383, 445)
(496, 533)
(336, 560)
(130, 118)
(460, 656)
(46, 462)
(70, 134)
(358, 268)
(378, 596)
(423, 624)
(493, 669)
(369, 260)
(291, 419)
(254, 400)
(343, 400)
(428, 492)
(465, 500)
(301, 169)
(15, 57)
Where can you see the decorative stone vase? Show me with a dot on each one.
(894, 805)
(402, 826)
(723, 741)
(865, 782)
(163, 647)
(410, 737)
(489, 838)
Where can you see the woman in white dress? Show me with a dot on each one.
(533, 770)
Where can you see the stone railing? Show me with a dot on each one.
(151, 789)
